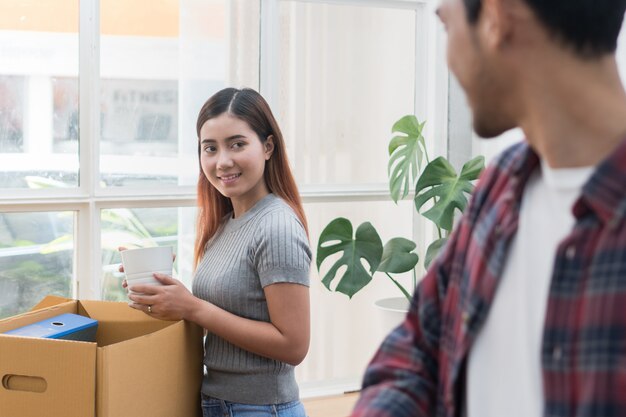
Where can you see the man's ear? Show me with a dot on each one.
(497, 22)
(269, 147)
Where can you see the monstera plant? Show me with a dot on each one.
(439, 193)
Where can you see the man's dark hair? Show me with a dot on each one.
(591, 27)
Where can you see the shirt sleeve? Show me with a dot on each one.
(283, 253)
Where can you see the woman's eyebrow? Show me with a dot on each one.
(228, 139)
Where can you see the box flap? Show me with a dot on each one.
(117, 322)
(37, 315)
(42, 374)
(50, 300)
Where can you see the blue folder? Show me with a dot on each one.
(65, 326)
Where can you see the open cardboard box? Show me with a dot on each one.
(139, 366)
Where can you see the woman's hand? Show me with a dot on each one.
(170, 301)
(121, 267)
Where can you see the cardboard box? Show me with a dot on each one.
(139, 366)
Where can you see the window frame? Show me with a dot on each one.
(432, 78)
(89, 198)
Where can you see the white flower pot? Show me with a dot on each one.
(391, 312)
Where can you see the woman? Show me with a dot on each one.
(252, 258)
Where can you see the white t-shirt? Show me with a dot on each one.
(504, 376)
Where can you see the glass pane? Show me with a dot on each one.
(39, 94)
(11, 114)
(145, 227)
(351, 324)
(341, 89)
(156, 74)
(621, 52)
(36, 258)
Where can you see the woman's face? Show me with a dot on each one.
(233, 158)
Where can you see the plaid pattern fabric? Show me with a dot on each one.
(419, 370)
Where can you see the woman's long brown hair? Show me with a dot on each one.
(247, 105)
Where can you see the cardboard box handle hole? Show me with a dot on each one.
(24, 383)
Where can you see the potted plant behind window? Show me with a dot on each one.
(439, 193)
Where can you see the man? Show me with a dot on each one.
(524, 312)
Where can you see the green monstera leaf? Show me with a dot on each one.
(405, 156)
(440, 182)
(433, 250)
(364, 245)
(398, 256)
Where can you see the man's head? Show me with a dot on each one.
(589, 27)
(493, 44)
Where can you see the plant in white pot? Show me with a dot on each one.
(439, 192)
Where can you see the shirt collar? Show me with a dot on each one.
(523, 165)
(605, 192)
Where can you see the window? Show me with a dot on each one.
(155, 75)
(105, 156)
(36, 258)
(38, 85)
(342, 88)
(11, 114)
(621, 53)
(145, 227)
(339, 74)
(345, 332)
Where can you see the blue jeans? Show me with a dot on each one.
(212, 407)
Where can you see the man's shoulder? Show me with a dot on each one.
(500, 175)
(510, 162)
(513, 157)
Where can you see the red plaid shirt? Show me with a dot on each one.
(419, 369)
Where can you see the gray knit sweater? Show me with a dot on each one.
(266, 245)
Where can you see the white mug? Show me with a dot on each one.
(140, 264)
